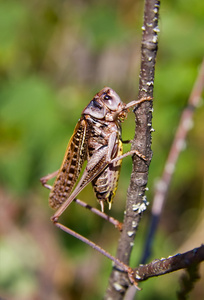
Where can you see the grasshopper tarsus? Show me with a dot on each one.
(54, 219)
(43, 181)
(131, 275)
(119, 226)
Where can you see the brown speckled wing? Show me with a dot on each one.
(71, 166)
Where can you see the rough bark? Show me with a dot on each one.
(136, 200)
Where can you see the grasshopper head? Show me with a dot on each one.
(106, 105)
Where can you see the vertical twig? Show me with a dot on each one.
(162, 187)
(136, 201)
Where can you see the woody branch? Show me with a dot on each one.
(170, 264)
(136, 202)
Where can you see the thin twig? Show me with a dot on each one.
(170, 264)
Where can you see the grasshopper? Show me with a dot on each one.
(97, 139)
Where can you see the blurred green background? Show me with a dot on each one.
(54, 56)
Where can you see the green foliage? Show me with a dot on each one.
(28, 116)
(103, 26)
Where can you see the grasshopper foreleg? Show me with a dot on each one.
(111, 147)
(131, 152)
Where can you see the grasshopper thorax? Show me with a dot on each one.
(106, 105)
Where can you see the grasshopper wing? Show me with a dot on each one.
(74, 158)
(96, 164)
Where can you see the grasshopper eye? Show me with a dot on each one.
(108, 100)
(106, 97)
(111, 99)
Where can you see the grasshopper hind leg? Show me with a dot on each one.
(118, 263)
